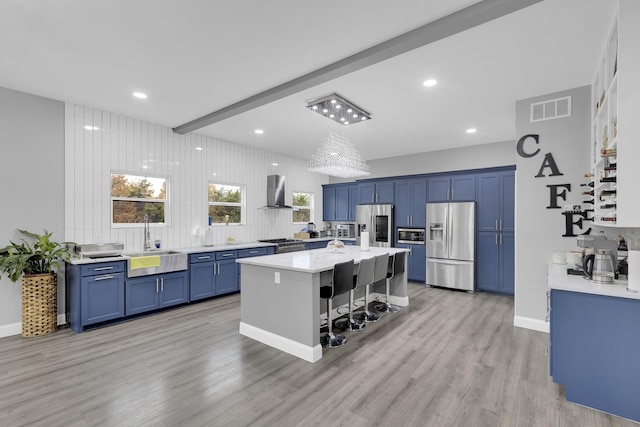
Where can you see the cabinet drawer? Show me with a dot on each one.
(102, 268)
(246, 253)
(226, 255)
(202, 257)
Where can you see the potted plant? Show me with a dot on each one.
(36, 261)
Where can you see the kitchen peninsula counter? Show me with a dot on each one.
(280, 298)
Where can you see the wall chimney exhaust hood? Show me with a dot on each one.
(275, 193)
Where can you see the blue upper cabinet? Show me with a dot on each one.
(455, 188)
(353, 201)
(375, 192)
(342, 203)
(410, 202)
(328, 203)
(496, 197)
(338, 202)
(508, 201)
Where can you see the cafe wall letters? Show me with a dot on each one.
(572, 218)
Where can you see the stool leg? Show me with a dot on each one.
(386, 307)
(331, 340)
(366, 315)
(350, 324)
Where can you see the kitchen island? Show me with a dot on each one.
(594, 342)
(280, 298)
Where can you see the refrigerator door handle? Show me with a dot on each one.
(448, 261)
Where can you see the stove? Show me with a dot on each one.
(286, 245)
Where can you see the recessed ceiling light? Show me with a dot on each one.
(259, 131)
(334, 153)
(91, 127)
(199, 148)
(471, 130)
(429, 83)
(274, 164)
(140, 95)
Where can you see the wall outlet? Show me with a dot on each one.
(276, 277)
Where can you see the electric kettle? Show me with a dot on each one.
(600, 266)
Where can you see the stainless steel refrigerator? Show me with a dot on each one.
(378, 221)
(451, 245)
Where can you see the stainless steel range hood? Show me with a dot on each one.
(275, 193)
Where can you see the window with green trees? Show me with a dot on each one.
(134, 196)
(303, 207)
(226, 203)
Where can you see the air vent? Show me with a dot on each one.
(551, 109)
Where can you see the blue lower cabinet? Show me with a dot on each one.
(416, 262)
(202, 283)
(157, 291)
(349, 242)
(495, 262)
(316, 245)
(227, 277)
(102, 298)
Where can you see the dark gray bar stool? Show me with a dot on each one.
(381, 265)
(341, 283)
(396, 266)
(364, 277)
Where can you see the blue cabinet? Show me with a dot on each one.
(95, 293)
(454, 188)
(213, 273)
(156, 291)
(416, 262)
(328, 202)
(375, 192)
(594, 350)
(410, 198)
(252, 252)
(495, 236)
(316, 245)
(338, 202)
(227, 275)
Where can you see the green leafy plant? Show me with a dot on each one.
(39, 256)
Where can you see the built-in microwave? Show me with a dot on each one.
(414, 236)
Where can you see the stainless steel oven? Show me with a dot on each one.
(413, 236)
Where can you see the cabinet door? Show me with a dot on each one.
(141, 294)
(316, 245)
(487, 262)
(173, 289)
(488, 207)
(384, 192)
(417, 267)
(227, 277)
(418, 193)
(402, 203)
(353, 201)
(202, 283)
(342, 203)
(102, 298)
(366, 193)
(507, 263)
(328, 203)
(438, 189)
(463, 188)
(507, 206)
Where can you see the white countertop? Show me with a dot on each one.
(557, 278)
(316, 260)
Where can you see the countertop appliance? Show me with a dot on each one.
(378, 221)
(345, 230)
(451, 245)
(412, 236)
(98, 250)
(600, 267)
(286, 245)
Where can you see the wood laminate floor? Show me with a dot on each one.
(450, 359)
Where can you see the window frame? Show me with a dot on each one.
(242, 204)
(165, 201)
(311, 206)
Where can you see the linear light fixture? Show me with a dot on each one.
(338, 109)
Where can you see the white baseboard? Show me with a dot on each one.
(529, 323)
(310, 354)
(16, 328)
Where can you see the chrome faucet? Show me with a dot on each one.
(147, 235)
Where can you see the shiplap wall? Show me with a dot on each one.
(125, 144)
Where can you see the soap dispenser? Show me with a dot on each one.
(208, 234)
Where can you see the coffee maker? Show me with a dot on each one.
(600, 258)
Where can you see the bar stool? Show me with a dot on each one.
(381, 265)
(341, 283)
(396, 266)
(364, 277)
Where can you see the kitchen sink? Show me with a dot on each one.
(169, 261)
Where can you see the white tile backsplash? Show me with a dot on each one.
(127, 144)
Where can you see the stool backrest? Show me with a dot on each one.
(398, 264)
(342, 277)
(382, 265)
(365, 272)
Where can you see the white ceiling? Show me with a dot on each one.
(193, 57)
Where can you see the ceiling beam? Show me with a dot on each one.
(462, 20)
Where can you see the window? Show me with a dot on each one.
(226, 203)
(134, 196)
(303, 207)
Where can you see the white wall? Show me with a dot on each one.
(126, 144)
(32, 177)
(539, 230)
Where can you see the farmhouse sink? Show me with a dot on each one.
(146, 263)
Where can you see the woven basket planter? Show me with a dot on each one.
(39, 304)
